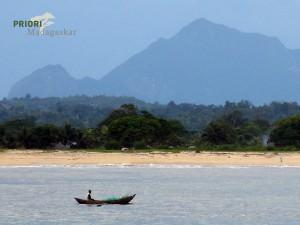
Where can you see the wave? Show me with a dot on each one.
(158, 166)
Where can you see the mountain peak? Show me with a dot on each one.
(51, 70)
(50, 80)
(54, 66)
(204, 30)
(208, 63)
(203, 24)
(53, 81)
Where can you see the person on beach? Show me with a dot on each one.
(89, 196)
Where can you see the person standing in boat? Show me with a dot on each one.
(89, 196)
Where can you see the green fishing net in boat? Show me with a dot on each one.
(112, 198)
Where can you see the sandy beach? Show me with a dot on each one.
(37, 157)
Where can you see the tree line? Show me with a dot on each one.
(88, 112)
(124, 127)
(131, 127)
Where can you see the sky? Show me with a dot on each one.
(110, 31)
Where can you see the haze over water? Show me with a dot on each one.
(43, 195)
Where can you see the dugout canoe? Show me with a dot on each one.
(121, 201)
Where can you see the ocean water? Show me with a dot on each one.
(165, 195)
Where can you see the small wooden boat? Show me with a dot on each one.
(121, 201)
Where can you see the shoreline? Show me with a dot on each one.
(209, 159)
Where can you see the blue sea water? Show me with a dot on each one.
(165, 195)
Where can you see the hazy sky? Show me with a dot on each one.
(110, 31)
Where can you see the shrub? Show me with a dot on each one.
(113, 145)
(139, 145)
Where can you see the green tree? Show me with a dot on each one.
(43, 136)
(15, 132)
(218, 133)
(287, 132)
(70, 135)
(234, 128)
(130, 127)
(91, 138)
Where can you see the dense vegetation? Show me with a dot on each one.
(287, 132)
(93, 122)
(85, 112)
(233, 128)
(124, 127)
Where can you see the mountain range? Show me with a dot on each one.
(204, 63)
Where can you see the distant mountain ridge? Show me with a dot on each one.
(53, 81)
(203, 63)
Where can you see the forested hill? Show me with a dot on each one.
(83, 111)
